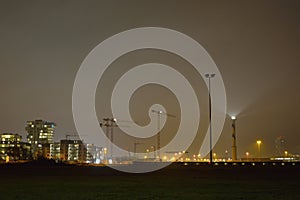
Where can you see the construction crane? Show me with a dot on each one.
(110, 123)
(159, 113)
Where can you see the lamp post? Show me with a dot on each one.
(286, 153)
(258, 142)
(234, 154)
(247, 155)
(215, 156)
(147, 153)
(209, 76)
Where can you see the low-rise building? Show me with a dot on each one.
(12, 148)
(75, 151)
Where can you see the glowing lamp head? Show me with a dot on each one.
(233, 117)
(210, 75)
(258, 142)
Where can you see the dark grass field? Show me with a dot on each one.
(177, 181)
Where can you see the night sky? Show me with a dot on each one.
(255, 45)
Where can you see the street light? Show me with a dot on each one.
(147, 151)
(258, 142)
(209, 76)
(247, 155)
(215, 156)
(105, 154)
(234, 154)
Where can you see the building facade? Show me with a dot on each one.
(75, 151)
(40, 135)
(55, 151)
(12, 148)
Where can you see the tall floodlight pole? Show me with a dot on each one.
(210, 76)
(258, 142)
(234, 148)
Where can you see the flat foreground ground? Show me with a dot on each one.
(177, 181)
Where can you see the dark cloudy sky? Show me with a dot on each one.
(255, 45)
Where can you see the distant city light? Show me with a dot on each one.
(98, 161)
